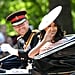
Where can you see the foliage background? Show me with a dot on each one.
(36, 9)
(73, 12)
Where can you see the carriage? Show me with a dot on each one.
(58, 60)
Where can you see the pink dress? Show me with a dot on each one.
(50, 45)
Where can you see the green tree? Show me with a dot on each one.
(36, 9)
(65, 18)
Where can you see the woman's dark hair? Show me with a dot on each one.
(60, 33)
(42, 33)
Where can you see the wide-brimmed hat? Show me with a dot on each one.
(50, 17)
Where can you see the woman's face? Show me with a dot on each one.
(53, 29)
(22, 28)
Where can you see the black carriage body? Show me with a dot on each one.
(10, 61)
(59, 61)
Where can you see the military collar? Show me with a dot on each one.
(26, 36)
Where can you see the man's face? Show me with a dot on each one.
(22, 29)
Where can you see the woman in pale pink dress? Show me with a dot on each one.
(53, 36)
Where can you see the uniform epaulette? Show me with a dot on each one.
(18, 37)
(35, 31)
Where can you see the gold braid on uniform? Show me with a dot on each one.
(30, 37)
(29, 40)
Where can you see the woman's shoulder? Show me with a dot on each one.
(67, 38)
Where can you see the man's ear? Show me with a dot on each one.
(27, 22)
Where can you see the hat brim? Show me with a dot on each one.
(19, 22)
(50, 17)
(12, 15)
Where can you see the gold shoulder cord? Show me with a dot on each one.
(30, 38)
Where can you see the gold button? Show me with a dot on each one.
(22, 58)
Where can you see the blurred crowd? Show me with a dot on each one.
(4, 38)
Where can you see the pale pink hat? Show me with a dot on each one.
(50, 17)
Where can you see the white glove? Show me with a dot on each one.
(7, 48)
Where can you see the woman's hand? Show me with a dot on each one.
(48, 35)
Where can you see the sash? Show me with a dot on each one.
(28, 42)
